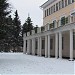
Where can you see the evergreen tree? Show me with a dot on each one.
(16, 30)
(17, 25)
(27, 26)
(3, 13)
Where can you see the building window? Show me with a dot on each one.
(51, 43)
(62, 3)
(67, 20)
(73, 1)
(69, 1)
(63, 21)
(43, 44)
(52, 9)
(54, 23)
(65, 3)
(45, 13)
(59, 5)
(49, 11)
(56, 6)
(74, 40)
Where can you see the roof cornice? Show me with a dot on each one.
(47, 3)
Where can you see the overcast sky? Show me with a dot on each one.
(29, 6)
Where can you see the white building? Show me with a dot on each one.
(56, 38)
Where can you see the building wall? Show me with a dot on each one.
(66, 44)
(56, 16)
(52, 53)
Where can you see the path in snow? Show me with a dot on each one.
(18, 63)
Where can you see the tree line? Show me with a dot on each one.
(11, 30)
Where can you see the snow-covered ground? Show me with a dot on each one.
(18, 63)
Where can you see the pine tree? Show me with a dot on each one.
(16, 30)
(27, 26)
(17, 25)
(4, 6)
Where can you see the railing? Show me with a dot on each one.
(62, 22)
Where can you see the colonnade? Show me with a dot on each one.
(58, 45)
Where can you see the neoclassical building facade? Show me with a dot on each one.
(56, 38)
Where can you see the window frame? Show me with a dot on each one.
(62, 3)
(45, 13)
(57, 5)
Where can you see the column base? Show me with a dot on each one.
(49, 57)
(45, 56)
(71, 59)
(60, 58)
(57, 57)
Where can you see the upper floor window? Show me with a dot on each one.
(62, 3)
(52, 9)
(56, 6)
(63, 21)
(54, 23)
(49, 11)
(45, 13)
(65, 2)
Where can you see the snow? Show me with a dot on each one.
(18, 63)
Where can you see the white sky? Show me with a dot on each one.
(29, 6)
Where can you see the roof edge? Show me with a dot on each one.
(47, 3)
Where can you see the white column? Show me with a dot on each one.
(71, 44)
(28, 46)
(56, 45)
(49, 46)
(59, 23)
(46, 52)
(40, 45)
(24, 47)
(56, 24)
(33, 46)
(60, 45)
(48, 27)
